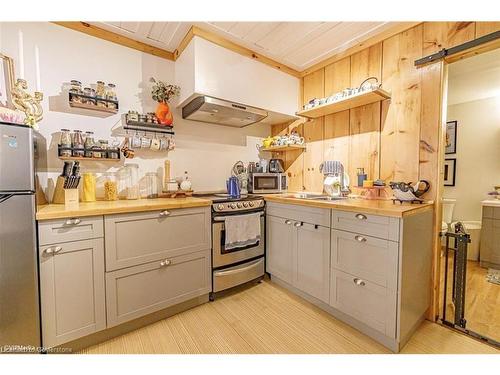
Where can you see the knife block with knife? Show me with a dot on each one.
(66, 190)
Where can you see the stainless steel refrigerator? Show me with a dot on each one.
(19, 297)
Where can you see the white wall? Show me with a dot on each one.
(478, 155)
(206, 151)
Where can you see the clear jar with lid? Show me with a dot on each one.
(124, 182)
(90, 93)
(151, 185)
(76, 89)
(104, 148)
(65, 142)
(133, 190)
(100, 90)
(111, 95)
(88, 144)
(77, 144)
(110, 186)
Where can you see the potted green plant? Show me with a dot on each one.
(163, 93)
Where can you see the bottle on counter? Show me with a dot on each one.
(151, 185)
(362, 176)
(133, 191)
(89, 188)
(110, 186)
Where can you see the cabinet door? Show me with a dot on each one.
(365, 301)
(281, 238)
(312, 261)
(138, 238)
(72, 290)
(137, 291)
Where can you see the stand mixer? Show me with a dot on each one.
(336, 182)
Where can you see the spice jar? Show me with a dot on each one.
(100, 91)
(90, 93)
(65, 142)
(110, 187)
(151, 185)
(111, 95)
(76, 90)
(77, 144)
(88, 187)
(133, 189)
(104, 148)
(114, 152)
(89, 144)
(133, 116)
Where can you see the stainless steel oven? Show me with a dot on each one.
(261, 183)
(232, 267)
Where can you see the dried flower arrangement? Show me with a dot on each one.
(163, 93)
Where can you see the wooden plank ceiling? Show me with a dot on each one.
(298, 45)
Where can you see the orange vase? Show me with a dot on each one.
(164, 114)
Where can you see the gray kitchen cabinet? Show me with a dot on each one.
(72, 290)
(374, 274)
(136, 291)
(139, 238)
(490, 237)
(280, 241)
(299, 252)
(312, 261)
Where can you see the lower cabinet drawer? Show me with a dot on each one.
(137, 291)
(370, 258)
(68, 230)
(232, 276)
(365, 301)
(371, 225)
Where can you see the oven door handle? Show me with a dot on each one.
(236, 270)
(223, 218)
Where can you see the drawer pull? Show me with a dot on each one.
(297, 224)
(360, 238)
(73, 221)
(361, 217)
(52, 250)
(288, 222)
(164, 213)
(165, 263)
(359, 282)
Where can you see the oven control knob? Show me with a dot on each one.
(240, 205)
(245, 204)
(250, 204)
(220, 207)
(233, 205)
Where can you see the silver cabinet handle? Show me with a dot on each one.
(52, 250)
(164, 213)
(297, 224)
(359, 282)
(288, 222)
(57, 249)
(360, 238)
(165, 263)
(361, 217)
(75, 221)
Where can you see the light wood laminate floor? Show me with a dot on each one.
(266, 318)
(482, 300)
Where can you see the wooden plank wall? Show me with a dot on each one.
(395, 139)
(398, 139)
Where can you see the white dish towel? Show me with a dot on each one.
(242, 230)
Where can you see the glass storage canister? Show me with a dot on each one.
(111, 95)
(77, 144)
(124, 182)
(90, 92)
(88, 144)
(65, 141)
(104, 148)
(110, 186)
(89, 187)
(151, 185)
(133, 189)
(76, 88)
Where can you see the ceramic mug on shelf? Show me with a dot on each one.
(164, 144)
(135, 141)
(171, 144)
(145, 142)
(155, 144)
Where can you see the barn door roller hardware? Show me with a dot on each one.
(446, 52)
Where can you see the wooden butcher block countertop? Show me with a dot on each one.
(375, 207)
(57, 211)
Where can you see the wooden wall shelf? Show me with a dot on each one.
(283, 148)
(352, 101)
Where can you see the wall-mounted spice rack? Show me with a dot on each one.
(147, 126)
(82, 99)
(107, 152)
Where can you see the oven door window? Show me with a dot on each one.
(223, 243)
(266, 183)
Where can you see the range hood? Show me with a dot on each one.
(206, 108)
(223, 87)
